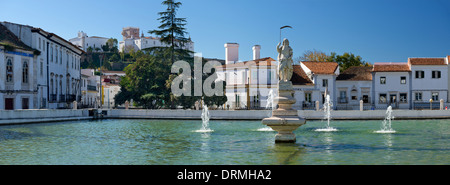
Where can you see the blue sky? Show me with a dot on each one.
(377, 30)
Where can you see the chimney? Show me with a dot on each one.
(231, 53)
(256, 49)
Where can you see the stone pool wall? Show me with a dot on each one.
(55, 115)
(41, 115)
(260, 114)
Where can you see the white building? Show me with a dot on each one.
(84, 42)
(110, 87)
(303, 87)
(322, 75)
(55, 73)
(248, 83)
(132, 40)
(353, 85)
(391, 84)
(17, 75)
(90, 88)
(109, 92)
(429, 81)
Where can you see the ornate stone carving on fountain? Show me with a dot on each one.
(284, 120)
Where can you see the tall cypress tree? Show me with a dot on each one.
(172, 31)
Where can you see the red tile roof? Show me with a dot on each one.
(391, 67)
(321, 67)
(299, 77)
(427, 61)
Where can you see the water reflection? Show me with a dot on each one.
(388, 140)
(328, 142)
(389, 154)
(288, 153)
(233, 142)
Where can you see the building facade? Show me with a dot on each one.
(132, 41)
(429, 81)
(110, 87)
(323, 78)
(54, 75)
(90, 89)
(17, 78)
(391, 85)
(353, 85)
(248, 83)
(84, 42)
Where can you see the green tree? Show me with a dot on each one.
(313, 55)
(105, 47)
(89, 49)
(112, 45)
(145, 81)
(347, 60)
(148, 80)
(171, 31)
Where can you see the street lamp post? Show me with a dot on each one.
(431, 104)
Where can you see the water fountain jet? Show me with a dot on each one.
(205, 120)
(270, 104)
(386, 124)
(327, 110)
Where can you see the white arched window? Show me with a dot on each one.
(25, 72)
(9, 69)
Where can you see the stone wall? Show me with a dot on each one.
(260, 114)
(55, 115)
(8, 117)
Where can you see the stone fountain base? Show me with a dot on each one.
(284, 120)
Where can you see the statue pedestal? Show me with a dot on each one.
(284, 120)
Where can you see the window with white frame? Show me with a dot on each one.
(403, 97)
(403, 80)
(25, 72)
(383, 80)
(435, 96)
(342, 96)
(435, 74)
(420, 74)
(383, 98)
(418, 96)
(325, 83)
(9, 69)
(308, 97)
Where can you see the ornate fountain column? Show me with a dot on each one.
(284, 120)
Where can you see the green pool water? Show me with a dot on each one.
(168, 142)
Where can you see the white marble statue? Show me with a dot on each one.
(285, 68)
